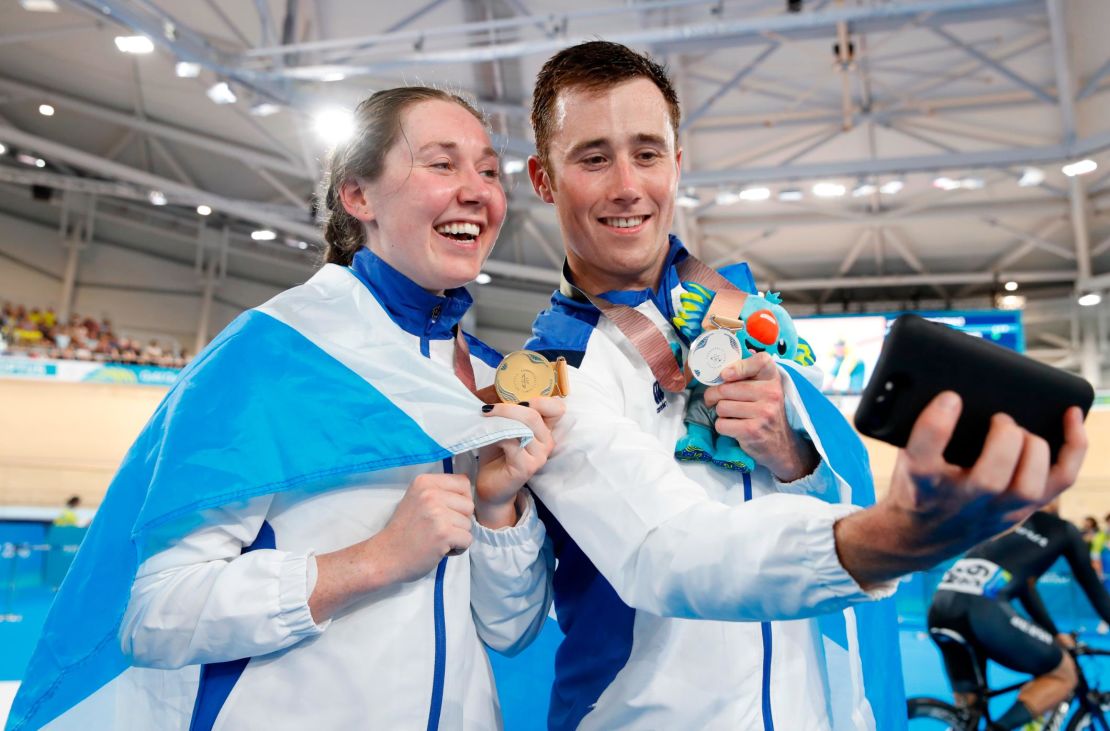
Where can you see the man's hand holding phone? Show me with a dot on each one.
(935, 509)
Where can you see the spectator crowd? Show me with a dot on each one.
(37, 333)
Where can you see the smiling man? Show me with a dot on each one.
(676, 581)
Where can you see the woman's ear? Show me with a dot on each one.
(355, 201)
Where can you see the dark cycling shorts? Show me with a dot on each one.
(996, 632)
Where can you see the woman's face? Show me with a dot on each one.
(435, 212)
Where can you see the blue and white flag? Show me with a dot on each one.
(863, 663)
(307, 391)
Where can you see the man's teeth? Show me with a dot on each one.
(625, 222)
(459, 229)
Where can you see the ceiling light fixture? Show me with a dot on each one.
(829, 190)
(157, 198)
(134, 44)
(1031, 177)
(755, 194)
(790, 195)
(1011, 286)
(221, 93)
(186, 69)
(946, 183)
(1079, 167)
(46, 110)
(264, 109)
(483, 278)
(1090, 299)
(892, 187)
(726, 197)
(204, 210)
(333, 125)
(263, 234)
(864, 188)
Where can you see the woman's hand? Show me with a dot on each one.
(432, 519)
(505, 466)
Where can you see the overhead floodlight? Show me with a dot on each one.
(789, 195)
(221, 93)
(946, 183)
(512, 165)
(1079, 167)
(892, 187)
(3, 149)
(972, 183)
(204, 210)
(46, 110)
(186, 69)
(134, 44)
(1090, 299)
(1031, 177)
(755, 194)
(31, 160)
(864, 188)
(726, 197)
(483, 278)
(829, 190)
(264, 109)
(333, 125)
(1011, 286)
(1010, 302)
(263, 234)
(333, 76)
(157, 198)
(39, 6)
(302, 245)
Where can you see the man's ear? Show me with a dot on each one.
(678, 160)
(541, 181)
(355, 202)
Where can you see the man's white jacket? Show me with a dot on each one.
(692, 597)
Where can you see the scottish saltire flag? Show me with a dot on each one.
(862, 657)
(310, 390)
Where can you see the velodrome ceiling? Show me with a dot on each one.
(880, 97)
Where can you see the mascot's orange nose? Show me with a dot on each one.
(763, 326)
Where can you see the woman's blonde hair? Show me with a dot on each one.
(377, 126)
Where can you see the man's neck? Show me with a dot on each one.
(594, 281)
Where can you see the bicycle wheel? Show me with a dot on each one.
(1083, 721)
(930, 714)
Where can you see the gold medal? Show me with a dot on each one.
(525, 374)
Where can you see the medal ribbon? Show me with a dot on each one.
(645, 336)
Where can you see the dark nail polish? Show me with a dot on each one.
(523, 403)
(486, 408)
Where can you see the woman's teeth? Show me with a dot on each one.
(460, 231)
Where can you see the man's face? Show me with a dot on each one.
(612, 174)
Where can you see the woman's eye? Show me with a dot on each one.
(491, 174)
(441, 165)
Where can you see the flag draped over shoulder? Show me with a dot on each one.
(862, 656)
(312, 388)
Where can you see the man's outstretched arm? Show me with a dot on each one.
(935, 510)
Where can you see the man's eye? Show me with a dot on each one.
(441, 165)
(493, 174)
(594, 160)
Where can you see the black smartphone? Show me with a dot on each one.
(920, 359)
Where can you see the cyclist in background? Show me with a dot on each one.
(974, 597)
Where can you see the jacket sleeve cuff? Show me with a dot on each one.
(528, 530)
(827, 567)
(296, 580)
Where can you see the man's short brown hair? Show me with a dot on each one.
(594, 66)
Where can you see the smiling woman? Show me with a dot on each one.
(282, 548)
(419, 186)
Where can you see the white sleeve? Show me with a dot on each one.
(202, 600)
(510, 577)
(664, 545)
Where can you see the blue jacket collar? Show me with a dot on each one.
(661, 293)
(414, 309)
